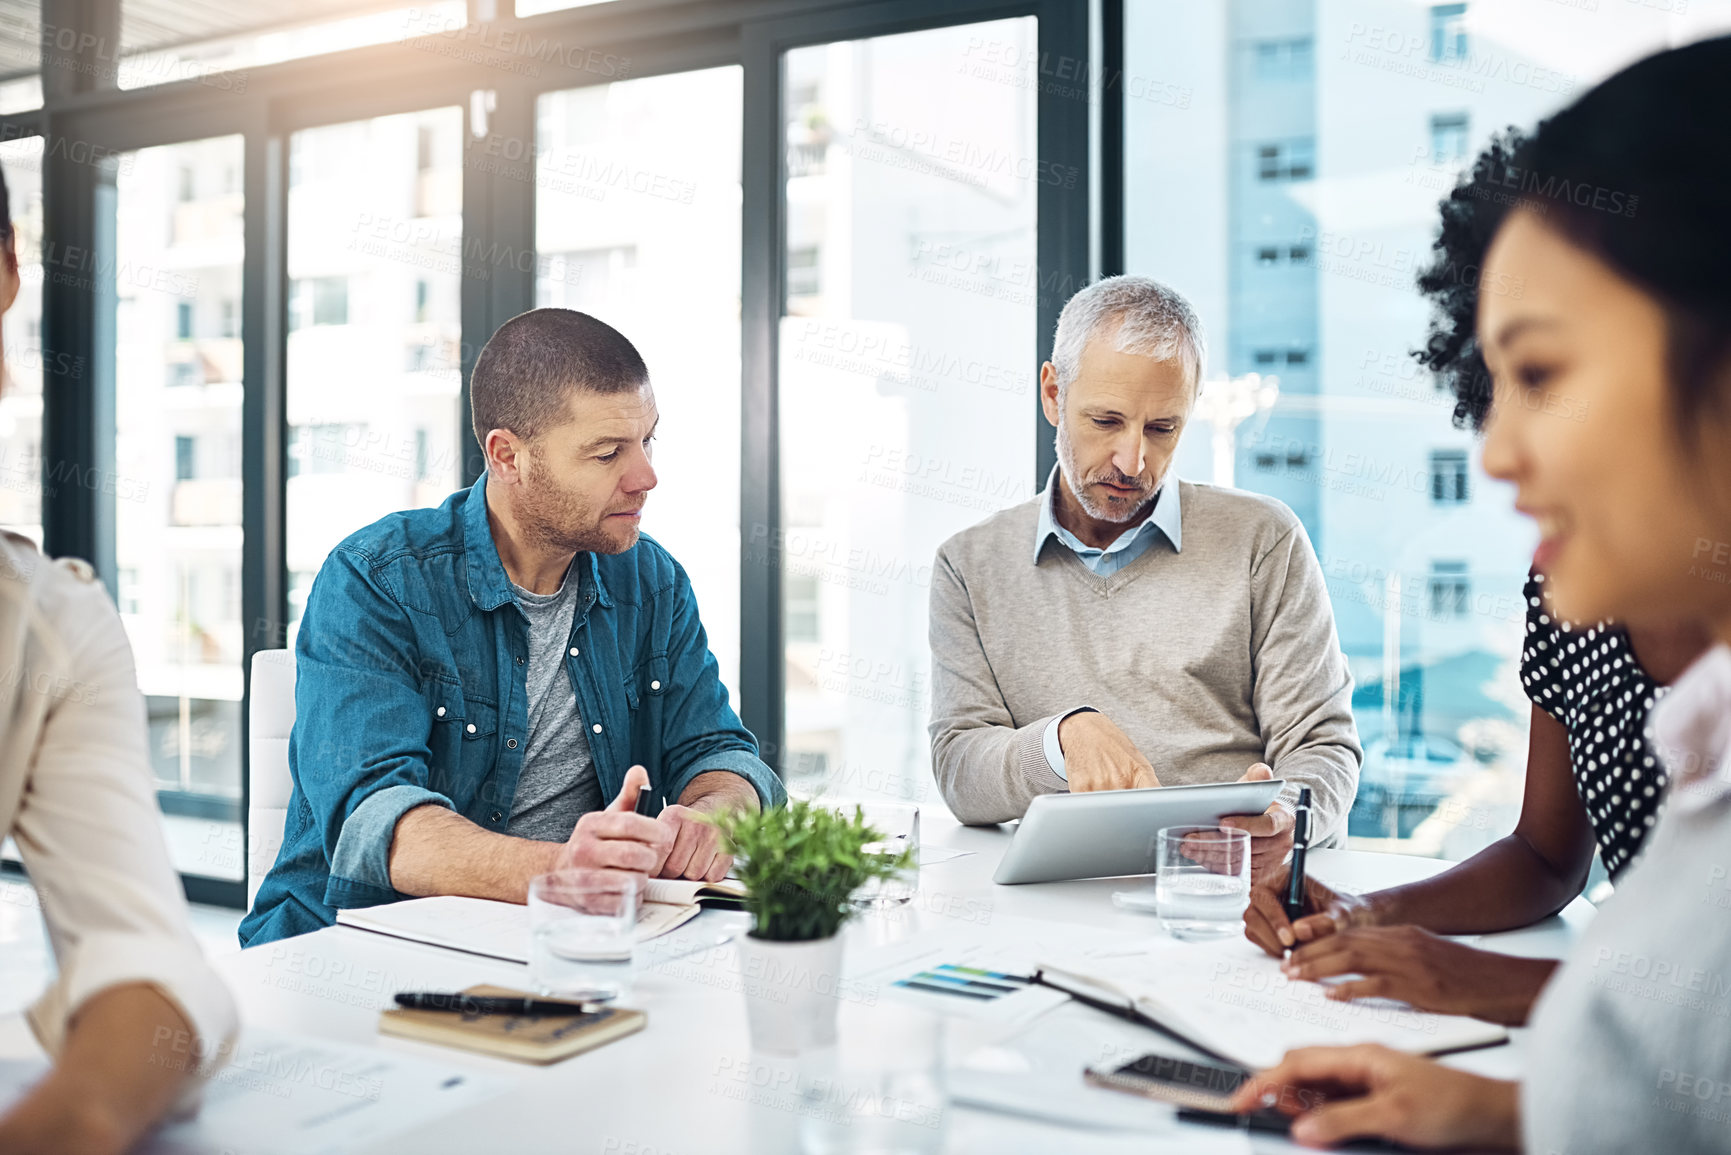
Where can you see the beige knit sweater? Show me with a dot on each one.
(1210, 659)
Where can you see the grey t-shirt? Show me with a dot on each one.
(558, 784)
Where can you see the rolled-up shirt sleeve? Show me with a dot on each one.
(359, 749)
(90, 836)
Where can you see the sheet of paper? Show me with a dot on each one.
(284, 1094)
(1231, 997)
(482, 926)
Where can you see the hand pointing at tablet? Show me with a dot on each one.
(1098, 755)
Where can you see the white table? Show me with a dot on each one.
(665, 1091)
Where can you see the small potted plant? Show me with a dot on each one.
(799, 863)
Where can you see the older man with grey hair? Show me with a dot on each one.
(1127, 628)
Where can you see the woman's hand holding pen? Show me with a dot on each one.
(1327, 912)
(1338, 935)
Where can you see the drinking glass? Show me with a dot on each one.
(582, 927)
(1202, 880)
(899, 823)
(880, 1090)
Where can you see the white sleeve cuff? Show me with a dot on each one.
(1055, 752)
(174, 966)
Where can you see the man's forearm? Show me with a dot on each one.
(717, 790)
(127, 1056)
(437, 851)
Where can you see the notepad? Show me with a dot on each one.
(501, 929)
(1230, 1000)
(525, 1038)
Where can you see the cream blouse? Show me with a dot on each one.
(77, 798)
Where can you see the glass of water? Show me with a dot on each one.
(1202, 880)
(582, 926)
(881, 1090)
(899, 823)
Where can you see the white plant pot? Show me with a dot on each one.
(790, 992)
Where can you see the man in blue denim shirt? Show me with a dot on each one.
(435, 749)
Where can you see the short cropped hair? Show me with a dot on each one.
(1151, 321)
(526, 373)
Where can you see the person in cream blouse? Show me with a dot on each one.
(135, 1016)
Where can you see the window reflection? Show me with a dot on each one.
(374, 367)
(176, 483)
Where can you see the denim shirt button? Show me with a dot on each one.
(495, 816)
(441, 711)
(574, 651)
(656, 685)
(511, 742)
(597, 727)
(471, 727)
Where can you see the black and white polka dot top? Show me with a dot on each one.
(1587, 678)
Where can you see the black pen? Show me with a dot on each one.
(1294, 902)
(645, 799)
(487, 1004)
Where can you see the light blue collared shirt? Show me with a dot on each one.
(1165, 518)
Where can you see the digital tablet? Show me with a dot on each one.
(1110, 832)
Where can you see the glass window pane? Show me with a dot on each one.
(374, 371)
(907, 369)
(21, 392)
(637, 212)
(21, 35)
(537, 7)
(177, 486)
(215, 45)
(1424, 564)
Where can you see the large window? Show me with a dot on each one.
(21, 390)
(177, 480)
(375, 263)
(907, 368)
(637, 211)
(218, 46)
(1331, 184)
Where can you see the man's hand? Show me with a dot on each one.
(1325, 913)
(617, 838)
(1270, 832)
(696, 850)
(1098, 755)
(1433, 974)
(1340, 1093)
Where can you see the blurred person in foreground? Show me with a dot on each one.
(135, 1019)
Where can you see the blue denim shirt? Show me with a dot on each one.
(410, 690)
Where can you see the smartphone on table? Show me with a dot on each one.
(1202, 1092)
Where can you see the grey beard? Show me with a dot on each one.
(1067, 466)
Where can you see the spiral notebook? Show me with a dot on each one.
(1231, 1001)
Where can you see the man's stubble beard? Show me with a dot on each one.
(548, 514)
(1079, 490)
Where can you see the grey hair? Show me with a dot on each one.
(1152, 321)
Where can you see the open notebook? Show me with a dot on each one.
(1230, 1000)
(501, 929)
